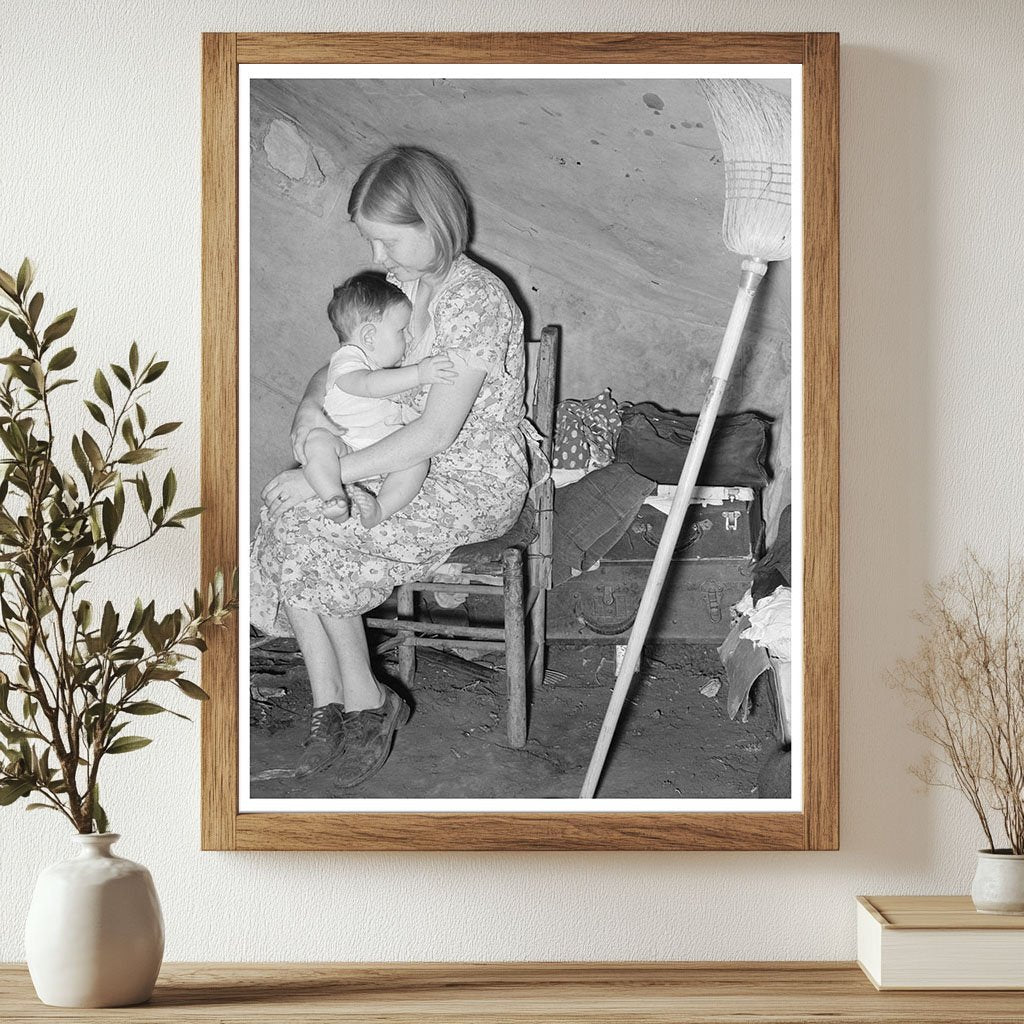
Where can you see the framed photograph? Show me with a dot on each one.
(463, 298)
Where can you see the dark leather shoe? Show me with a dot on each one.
(326, 740)
(368, 738)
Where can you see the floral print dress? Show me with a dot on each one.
(474, 491)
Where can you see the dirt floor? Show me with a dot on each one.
(674, 741)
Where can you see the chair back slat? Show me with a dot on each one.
(542, 412)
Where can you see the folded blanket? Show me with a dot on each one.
(655, 442)
(591, 515)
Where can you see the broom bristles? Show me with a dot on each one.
(754, 124)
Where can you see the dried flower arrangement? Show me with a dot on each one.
(967, 679)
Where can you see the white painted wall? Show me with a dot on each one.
(99, 181)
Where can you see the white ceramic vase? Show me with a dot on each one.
(95, 934)
(999, 882)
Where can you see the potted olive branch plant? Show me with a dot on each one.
(77, 672)
(967, 682)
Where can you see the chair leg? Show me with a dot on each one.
(406, 652)
(515, 645)
(538, 637)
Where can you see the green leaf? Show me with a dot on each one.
(34, 308)
(60, 326)
(99, 817)
(12, 733)
(165, 428)
(121, 374)
(102, 388)
(191, 690)
(137, 617)
(119, 498)
(154, 371)
(4, 314)
(125, 744)
(92, 449)
(96, 711)
(128, 433)
(109, 518)
(14, 790)
(108, 626)
(20, 328)
(170, 488)
(81, 461)
(42, 807)
(185, 513)
(138, 455)
(95, 412)
(63, 359)
(140, 415)
(26, 273)
(133, 358)
(130, 653)
(8, 284)
(145, 497)
(143, 707)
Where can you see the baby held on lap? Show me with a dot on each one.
(371, 318)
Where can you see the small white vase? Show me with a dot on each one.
(999, 882)
(95, 934)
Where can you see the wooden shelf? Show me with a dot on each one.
(639, 993)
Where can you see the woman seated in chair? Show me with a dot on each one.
(314, 577)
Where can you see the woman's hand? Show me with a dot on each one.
(285, 491)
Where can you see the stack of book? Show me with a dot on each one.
(938, 942)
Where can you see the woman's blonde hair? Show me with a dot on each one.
(410, 185)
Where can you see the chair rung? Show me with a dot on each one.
(443, 644)
(455, 588)
(409, 626)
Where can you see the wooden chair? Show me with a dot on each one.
(525, 580)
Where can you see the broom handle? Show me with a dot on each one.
(753, 272)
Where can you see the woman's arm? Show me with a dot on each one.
(310, 414)
(446, 410)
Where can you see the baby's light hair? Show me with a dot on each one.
(363, 298)
(411, 185)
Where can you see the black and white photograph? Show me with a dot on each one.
(520, 444)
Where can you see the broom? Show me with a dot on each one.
(753, 125)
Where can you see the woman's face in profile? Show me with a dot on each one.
(405, 251)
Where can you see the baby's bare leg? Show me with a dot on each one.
(321, 470)
(395, 493)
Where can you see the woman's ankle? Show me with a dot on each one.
(368, 698)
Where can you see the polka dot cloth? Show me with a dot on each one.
(586, 432)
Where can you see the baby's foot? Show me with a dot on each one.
(336, 507)
(370, 512)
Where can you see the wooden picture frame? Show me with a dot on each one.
(816, 826)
